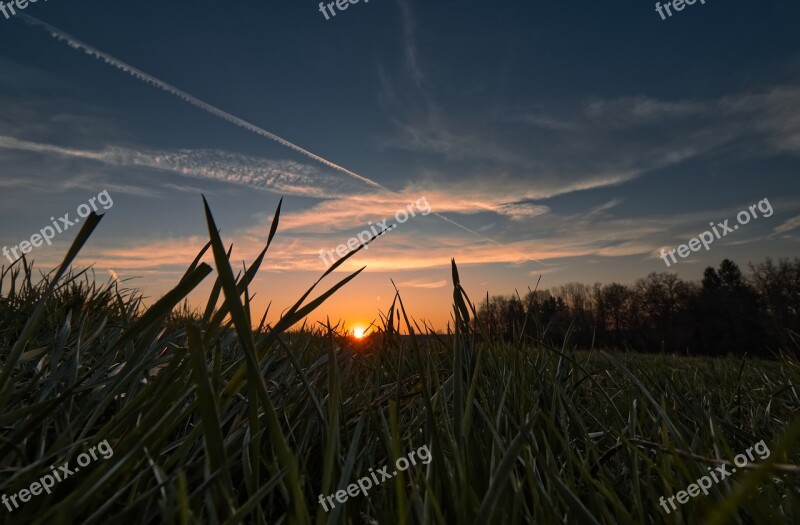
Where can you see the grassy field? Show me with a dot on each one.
(215, 417)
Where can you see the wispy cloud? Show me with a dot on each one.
(412, 57)
(417, 246)
(522, 211)
(281, 176)
(768, 114)
(422, 283)
(641, 110)
(789, 225)
(591, 144)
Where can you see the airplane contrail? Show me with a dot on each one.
(186, 97)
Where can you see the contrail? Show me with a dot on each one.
(172, 90)
(233, 119)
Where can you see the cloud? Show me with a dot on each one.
(641, 110)
(522, 211)
(417, 245)
(600, 210)
(280, 176)
(187, 189)
(412, 57)
(769, 114)
(358, 211)
(788, 226)
(596, 144)
(82, 181)
(422, 283)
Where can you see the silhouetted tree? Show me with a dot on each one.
(778, 286)
(724, 313)
(728, 313)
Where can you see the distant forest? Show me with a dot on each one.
(728, 312)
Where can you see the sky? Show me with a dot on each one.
(562, 140)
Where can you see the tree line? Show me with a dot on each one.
(728, 312)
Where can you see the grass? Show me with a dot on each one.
(216, 418)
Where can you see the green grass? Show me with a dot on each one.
(216, 417)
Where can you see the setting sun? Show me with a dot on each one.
(359, 332)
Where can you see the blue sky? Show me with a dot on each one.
(571, 141)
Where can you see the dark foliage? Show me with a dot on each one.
(726, 313)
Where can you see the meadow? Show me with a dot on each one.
(215, 416)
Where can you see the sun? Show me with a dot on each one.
(359, 332)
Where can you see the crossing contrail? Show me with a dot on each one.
(233, 119)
